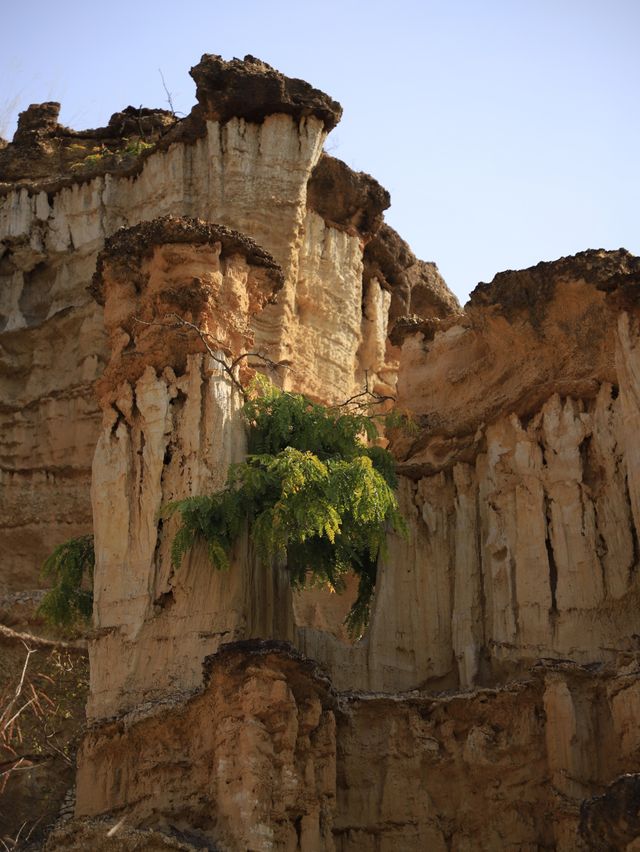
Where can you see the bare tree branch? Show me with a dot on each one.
(17, 713)
(169, 95)
(205, 336)
(7, 710)
(167, 92)
(371, 397)
(143, 135)
(15, 841)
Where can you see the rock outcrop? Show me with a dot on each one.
(523, 480)
(494, 700)
(171, 428)
(265, 772)
(291, 764)
(63, 193)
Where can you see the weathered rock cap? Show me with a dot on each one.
(351, 201)
(416, 285)
(249, 88)
(136, 120)
(548, 331)
(37, 118)
(41, 120)
(53, 155)
(48, 155)
(242, 655)
(130, 246)
(156, 276)
(530, 290)
(428, 327)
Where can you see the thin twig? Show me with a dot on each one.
(58, 750)
(32, 829)
(372, 397)
(368, 400)
(14, 700)
(14, 840)
(15, 768)
(167, 92)
(12, 764)
(205, 337)
(140, 127)
(265, 360)
(17, 837)
(16, 714)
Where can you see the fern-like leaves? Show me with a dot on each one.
(70, 568)
(311, 492)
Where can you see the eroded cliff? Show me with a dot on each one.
(524, 476)
(493, 701)
(62, 193)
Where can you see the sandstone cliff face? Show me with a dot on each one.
(248, 170)
(523, 482)
(291, 764)
(264, 772)
(520, 546)
(520, 490)
(171, 427)
(493, 702)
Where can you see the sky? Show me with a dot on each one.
(507, 131)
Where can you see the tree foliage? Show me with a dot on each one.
(313, 494)
(70, 568)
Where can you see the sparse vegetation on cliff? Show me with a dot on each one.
(312, 492)
(314, 495)
(99, 154)
(70, 567)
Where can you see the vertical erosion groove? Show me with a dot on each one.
(553, 568)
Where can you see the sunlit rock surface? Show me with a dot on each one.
(62, 193)
(494, 699)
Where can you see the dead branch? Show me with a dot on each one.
(17, 713)
(14, 841)
(59, 751)
(35, 642)
(371, 397)
(143, 135)
(8, 718)
(169, 96)
(17, 767)
(9, 708)
(207, 339)
(166, 91)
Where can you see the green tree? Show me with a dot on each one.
(311, 491)
(70, 568)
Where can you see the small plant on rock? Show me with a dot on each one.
(70, 567)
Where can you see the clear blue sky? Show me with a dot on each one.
(507, 131)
